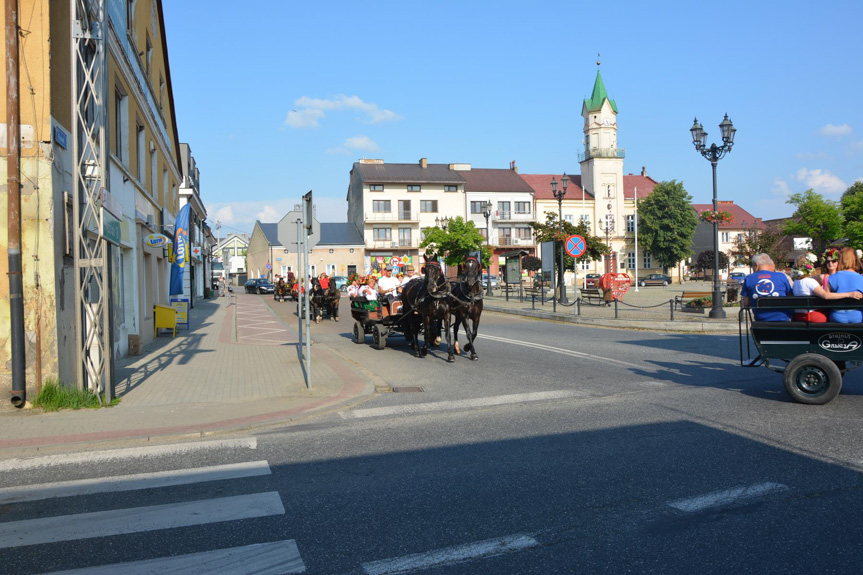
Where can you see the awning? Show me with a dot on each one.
(514, 254)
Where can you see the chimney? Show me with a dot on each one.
(513, 167)
(424, 163)
(643, 171)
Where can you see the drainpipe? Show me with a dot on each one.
(13, 168)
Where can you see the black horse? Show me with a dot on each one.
(465, 303)
(332, 298)
(428, 301)
(317, 300)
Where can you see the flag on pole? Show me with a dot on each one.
(181, 251)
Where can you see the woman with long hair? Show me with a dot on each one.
(846, 280)
(829, 266)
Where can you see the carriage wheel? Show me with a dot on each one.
(359, 332)
(379, 336)
(813, 379)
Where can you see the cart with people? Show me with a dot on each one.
(379, 319)
(811, 356)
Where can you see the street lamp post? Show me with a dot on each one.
(713, 154)
(559, 197)
(486, 211)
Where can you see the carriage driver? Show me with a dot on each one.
(324, 281)
(388, 286)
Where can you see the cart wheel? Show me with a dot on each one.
(813, 379)
(379, 336)
(359, 333)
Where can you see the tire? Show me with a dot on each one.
(359, 333)
(259, 291)
(664, 283)
(812, 379)
(379, 336)
(642, 284)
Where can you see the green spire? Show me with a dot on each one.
(599, 96)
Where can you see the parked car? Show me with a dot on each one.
(259, 286)
(484, 280)
(736, 277)
(654, 280)
(341, 282)
(591, 281)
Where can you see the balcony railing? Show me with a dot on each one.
(602, 153)
(393, 244)
(504, 241)
(398, 216)
(499, 216)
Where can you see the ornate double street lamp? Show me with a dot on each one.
(486, 211)
(559, 197)
(713, 154)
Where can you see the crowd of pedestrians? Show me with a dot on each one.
(839, 277)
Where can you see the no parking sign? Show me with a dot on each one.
(575, 246)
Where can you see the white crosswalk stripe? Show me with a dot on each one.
(268, 557)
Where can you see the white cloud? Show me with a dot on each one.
(243, 214)
(831, 130)
(780, 188)
(821, 181)
(269, 214)
(307, 118)
(357, 143)
(225, 215)
(813, 156)
(857, 146)
(310, 110)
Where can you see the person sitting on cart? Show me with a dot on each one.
(353, 288)
(847, 282)
(411, 275)
(369, 289)
(388, 286)
(766, 282)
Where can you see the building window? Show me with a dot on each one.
(450, 188)
(584, 264)
(149, 56)
(404, 237)
(725, 237)
(631, 260)
(382, 234)
(522, 233)
(140, 143)
(405, 210)
(630, 223)
(585, 219)
(523, 208)
(648, 261)
(121, 125)
(424, 232)
(503, 210)
(609, 223)
(130, 16)
(484, 233)
(161, 93)
(381, 206)
(428, 206)
(568, 218)
(476, 207)
(414, 188)
(376, 188)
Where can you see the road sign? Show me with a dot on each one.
(269, 266)
(575, 246)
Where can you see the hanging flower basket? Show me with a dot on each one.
(717, 216)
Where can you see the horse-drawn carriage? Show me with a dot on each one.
(321, 302)
(428, 306)
(812, 357)
(280, 293)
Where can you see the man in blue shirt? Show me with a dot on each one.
(766, 282)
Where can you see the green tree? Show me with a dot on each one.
(852, 212)
(550, 232)
(816, 218)
(704, 262)
(666, 223)
(764, 241)
(456, 242)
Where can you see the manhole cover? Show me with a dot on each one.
(409, 389)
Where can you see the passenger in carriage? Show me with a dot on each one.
(806, 285)
(353, 288)
(388, 288)
(369, 289)
(846, 282)
(766, 282)
(411, 275)
(829, 265)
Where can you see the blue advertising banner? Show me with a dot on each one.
(181, 251)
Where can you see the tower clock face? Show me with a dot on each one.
(606, 122)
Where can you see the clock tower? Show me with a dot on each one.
(602, 164)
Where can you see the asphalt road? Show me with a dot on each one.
(563, 449)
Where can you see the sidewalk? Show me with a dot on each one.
(646, 309)
(238, 366)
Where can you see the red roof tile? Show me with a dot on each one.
(493, 180)
(742, 218)
(541, 184)
(644, 185)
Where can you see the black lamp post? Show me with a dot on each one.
(486, 211)
(713, 154)
(559, 197)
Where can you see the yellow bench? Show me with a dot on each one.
(164, 318)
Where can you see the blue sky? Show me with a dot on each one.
(283, 98)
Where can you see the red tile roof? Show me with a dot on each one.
(541, 184)
(644, 185)
(742, 218)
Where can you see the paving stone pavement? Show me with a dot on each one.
(237, 366)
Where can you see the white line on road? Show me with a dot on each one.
(91, 457)
(727, 497)
(135, 482)
(462, 404)
(449, 555)
(560, 350)
(138, 519)
(262, 559)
